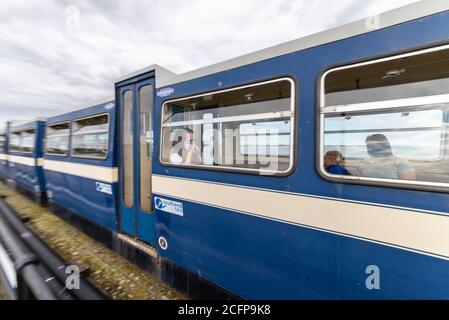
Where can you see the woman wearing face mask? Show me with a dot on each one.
(382, 163)
(193, 152)
(188, 152)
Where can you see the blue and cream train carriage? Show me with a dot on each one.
(80, 162)
(316, 169)
(4, 153)
(25, 157)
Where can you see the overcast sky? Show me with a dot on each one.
(56, 54)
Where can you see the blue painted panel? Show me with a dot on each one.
(107, 107)
(258, 258)
(403, 274)
(80, 195)
(4, 169)
(253, 257)
(27, 177)
(146, 227)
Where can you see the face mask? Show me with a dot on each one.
(187, 145)
(377, 150)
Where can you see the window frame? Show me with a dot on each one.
(34, 141)
(293, 127)
(3, 143)
(10, 150)
(239, 145)
(69, 136)
(403, 103)
(429, 107)
(20, 151)
(108, 135)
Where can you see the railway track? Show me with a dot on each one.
(104, 269)
(39, 273)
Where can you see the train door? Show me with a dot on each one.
(136, 150)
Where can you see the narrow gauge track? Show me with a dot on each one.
(41, 274)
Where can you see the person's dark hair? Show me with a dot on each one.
(382, 140)
(183, 132)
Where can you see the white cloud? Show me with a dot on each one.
(46, 67)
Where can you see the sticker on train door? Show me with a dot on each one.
(169, 206)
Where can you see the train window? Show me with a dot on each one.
(90, 137)
(346, 134)
(256, 138)
(128, 149)
(22, 141)
(146, 146)
(416, 75)
(249, 129)
(27, 141)
(14, 142)
(386, 120)
(2, 143)
(57, 139)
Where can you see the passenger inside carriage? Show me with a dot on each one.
(333, 163)
(186, 149)
(382, 163)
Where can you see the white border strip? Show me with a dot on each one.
(410, 230)
(94, 172)
(27, 161)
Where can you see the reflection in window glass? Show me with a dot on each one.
(22, 141)
(146, 145)
(406, 145)
(248, 128)
(27, 141)
(128, 149)
(57, 139)
(348, 134)
(14, 142)
(409, 77)
(90, 137)
(265, 138)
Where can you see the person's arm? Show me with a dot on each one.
(190, 154)
(407, 175)
(188, 159)
(405, 170)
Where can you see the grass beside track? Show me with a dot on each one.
(3, 295)
(117, 278)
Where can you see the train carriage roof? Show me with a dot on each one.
(86, 109)
(397, 16)
(25, 125)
